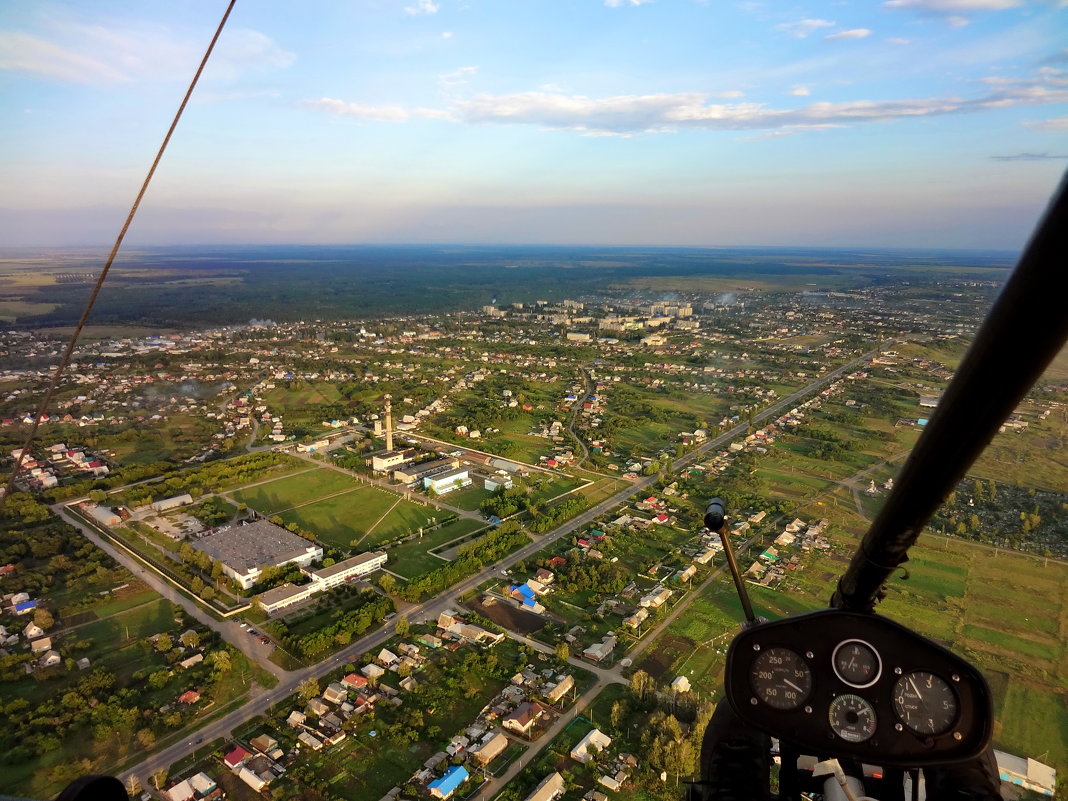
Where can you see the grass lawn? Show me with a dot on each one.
(284, 493)
(411, 559)
(468, 499)
(363, 518)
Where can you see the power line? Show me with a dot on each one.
(65, 359)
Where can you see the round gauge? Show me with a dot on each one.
(781, 678)
(857, 663)
(852, 718)
(925, 703)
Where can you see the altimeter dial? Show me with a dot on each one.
(852, 718)
(925, 703)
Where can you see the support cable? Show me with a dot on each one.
(65, 359)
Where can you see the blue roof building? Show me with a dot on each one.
(447, 784)
(523, 593)
(24, 607)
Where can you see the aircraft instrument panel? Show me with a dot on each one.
(861, 686)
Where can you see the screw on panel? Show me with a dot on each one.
(898, 727)
(958, 736)
(756, 646)
(753, 701)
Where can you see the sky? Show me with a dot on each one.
(852, 123)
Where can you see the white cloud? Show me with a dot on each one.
(730, 93)
(457, 77)
(804, 27)
(852, 33)
(952, 11)
(800, 91)
(446, 34)
(423, 7)
(343, 109)
(625, 115)
(953, 6)
(93, 54)
(1056, 124)
(27, 53)
(621, 3)
(898, 40)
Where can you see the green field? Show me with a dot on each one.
(285, 493)
(366, 516)
(411, 559)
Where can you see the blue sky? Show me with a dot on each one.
(909, 123)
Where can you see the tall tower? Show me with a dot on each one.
(389, 423)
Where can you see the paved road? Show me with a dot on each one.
(229, 630)
(430, 609)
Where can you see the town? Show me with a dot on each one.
(462, 555)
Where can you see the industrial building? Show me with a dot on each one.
(447, 482)
(322, 579)
(246, 549)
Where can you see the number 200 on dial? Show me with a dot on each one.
(781, 678)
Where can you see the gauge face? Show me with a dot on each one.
(852, 718)
(857, 663)
(925, 703)
(781, 678)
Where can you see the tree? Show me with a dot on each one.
(618, 714)
(43, 618)
(158, 679)
(98, 496)
(641, 683)
(221, 660)
(164, 643)
(402, 625)
(387, 583)
(146, 738)
(159, 778)
(190, 639)
(308, 689)
(563, 652)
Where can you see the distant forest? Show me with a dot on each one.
(196, 286)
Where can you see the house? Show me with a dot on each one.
(656, 598)
(189, 697)
(560, 689)
(236, 757)
(296, 718)
(264, 743)
(372, 671)
(203, 784)
(611, 782)
(317, 707)
(50, 659)
(635, 620)
(43, 644)
(548, 789)
(449, 782)
(335, 693)
(251, 779)
(312, 743)
(687, 574)
(408, 683)
(32, 631)
(490, 749)
(522, 719)
(355, 681)
(183, 791)
(545, 576)
(600, 651)
(523, 593)
(193, 660)
(595, 741)
(387, 658)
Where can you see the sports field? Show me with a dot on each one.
(362, 517)
(285, 493)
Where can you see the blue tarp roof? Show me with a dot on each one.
(447, 784)
(525, 591)
(25, 605)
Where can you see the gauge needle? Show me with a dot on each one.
(791, 684)
(916, 690)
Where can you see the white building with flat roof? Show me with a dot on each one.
(447, 482)
(245, 550)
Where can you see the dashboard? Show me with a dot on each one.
(861, 686)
